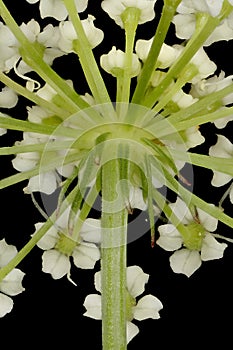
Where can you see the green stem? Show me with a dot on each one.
(37, 147)
(223, 165)
(81, 217)
(188, 73)
(23, 125)
(130, 19)
(87, 59)
(113, 261)
(162, 204)
(151, 61)
(19, 89)
(205, 118)
(168, 128)
(49, 165)
(201, 107)
(150, 209)
(205, 26)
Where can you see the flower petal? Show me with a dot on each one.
(7, 252)
(45, 183)
(185, 261)
(97, 281)
(136, 199)
(136, 280)
(49, 240)
(208, 222)
(131, 331)
(220, 179)
(55, 263)
(181, 210)
(116, 8)
(170, 238)
(12, 283)
(92, 303)
(8, 98)
(6, 304)
(147, 307)
(231, 194)
(53, 8)
(211, 248)
(91, 230)
(85, 255)
(223, 148)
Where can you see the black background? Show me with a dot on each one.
(197, 310)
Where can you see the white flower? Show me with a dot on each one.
(68, 34)
(59, 246)
(32, 32)
(8, 48)
(193, 137)
(114, 63)
(46, 182)
(184, 140)
(204, 65)
(12, 283)
(94, 35)
(115, 9)
(147, 307)
(185, 20)
(48, 93)
(183, 100)
(57, 9)
(199, 244)
(167, 55)
(213, 7)
(8, 98)
(136, 199)
(49, 38)
(210, 85)
(224, 149)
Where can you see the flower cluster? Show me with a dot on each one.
(146, 307)
(197, 246)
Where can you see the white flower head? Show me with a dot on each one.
(59, 246)
(146, 307)
(213, 7)
(12, 283)
(167, 55)
(114, 63)
(204, 65)
(57, 9)
(68, 34)
(115, 9)
(215, 83)
(198, 245)
(185, 20)
(183, 100)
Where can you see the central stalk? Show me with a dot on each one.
(113, 258)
